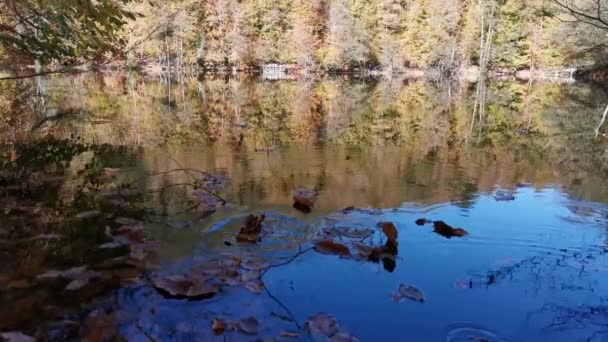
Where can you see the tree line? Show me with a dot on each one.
(312, 35)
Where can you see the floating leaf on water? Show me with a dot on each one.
(255, 286)
(408, 292)
(248, 325)
(218, 326)
(111, 245)
(304, 200)
(16, 336)
(251, 229)
(448, 231)
(289, 334)
(82, 280)
(358, 233)
(503, 196)
(188, 287)
(249, 275)
(389, 229)
(254, 262)
(88, 214)
(343, 337)
(247, 237)
(422, 221)
(323, 323)
(253, 224)
(331, 248)
(70, 273)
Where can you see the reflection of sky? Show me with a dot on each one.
(538, 250)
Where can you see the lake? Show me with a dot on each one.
(148, 180)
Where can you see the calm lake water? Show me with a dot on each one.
(525, 175)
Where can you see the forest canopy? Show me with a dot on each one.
(388, 35)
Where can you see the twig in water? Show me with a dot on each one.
(294, 257)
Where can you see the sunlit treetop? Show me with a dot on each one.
(48, 30)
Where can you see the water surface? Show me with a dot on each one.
(532, 268)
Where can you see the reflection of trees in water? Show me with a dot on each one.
(537, 127)
(589, 320)
(566, 270)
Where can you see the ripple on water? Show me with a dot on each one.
(467, 332)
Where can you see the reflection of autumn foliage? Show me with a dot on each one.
(437, 151)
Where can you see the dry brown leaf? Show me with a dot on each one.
(82, 280)
(190, 287)
(408, 292)
(254, 262)
(218, 326)
(304, 200)
(289, 334)
(358, 233)
(248, 325)
(331, 248)
(448, 231)
(88, 214)
(323, 323)
(255, 286)
(253, 224)
(389, 229)
(251, 229)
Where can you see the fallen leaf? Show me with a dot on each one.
(70, 273)
(253, 223)
(88, 214)
(255, 286)
(289, 334)
(323, 323)
(503, 196)
(248, 325)
(189, 287)
(343, 337)
(358, 233)
(254, 262)
(218, 326)
(331, 248)
(249, 275)
(251, 229)
(247, 237)
(304, 200)
(408, 292)
(389, 229)
(422, 221)
(82, 280)
(111, 245)
(16, 336)
(448, 231)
